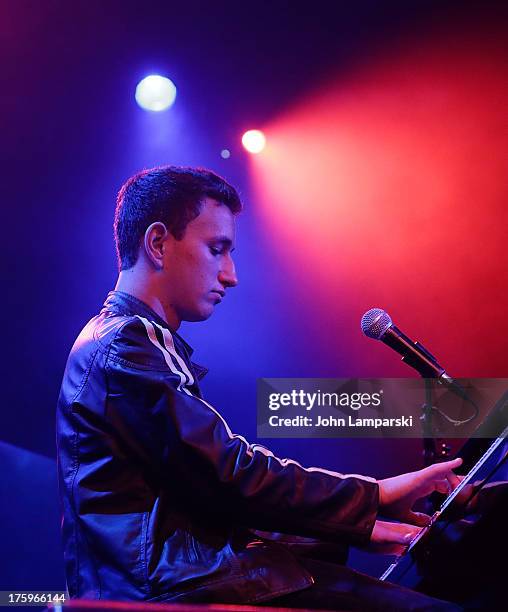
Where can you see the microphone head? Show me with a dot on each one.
(375, 322)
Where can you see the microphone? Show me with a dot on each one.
(377, 324)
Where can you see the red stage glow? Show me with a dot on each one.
(387, 188)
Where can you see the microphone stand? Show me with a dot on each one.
(429, 444)
(430, 452)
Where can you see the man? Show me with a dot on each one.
(159, 496)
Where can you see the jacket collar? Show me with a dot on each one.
(127, 304)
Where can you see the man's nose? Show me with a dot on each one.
(227, 274)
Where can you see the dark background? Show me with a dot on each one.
(71, 133)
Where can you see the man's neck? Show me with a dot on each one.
(140, 286)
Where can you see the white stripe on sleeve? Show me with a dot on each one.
(168, 350)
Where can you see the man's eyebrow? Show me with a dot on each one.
(224, 240)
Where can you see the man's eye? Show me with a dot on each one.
(215, 251)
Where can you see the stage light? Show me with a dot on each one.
(155, 93)
(254, 141)
(225, 153)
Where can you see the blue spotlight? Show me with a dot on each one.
(155, 93)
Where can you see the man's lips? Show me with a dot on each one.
(219, 294)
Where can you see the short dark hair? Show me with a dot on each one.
(170, 194)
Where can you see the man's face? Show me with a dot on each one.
(199, 268)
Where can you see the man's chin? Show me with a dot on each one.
(202, 315)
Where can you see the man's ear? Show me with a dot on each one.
(155, 237)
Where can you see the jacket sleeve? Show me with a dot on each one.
(186, 441)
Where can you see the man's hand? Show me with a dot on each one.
(391, 538)
(397, 495)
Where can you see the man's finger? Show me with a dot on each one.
(453, 479)
(442, 486)
(466, 494)
(418, 518)
(404, 537)
(440, 469)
